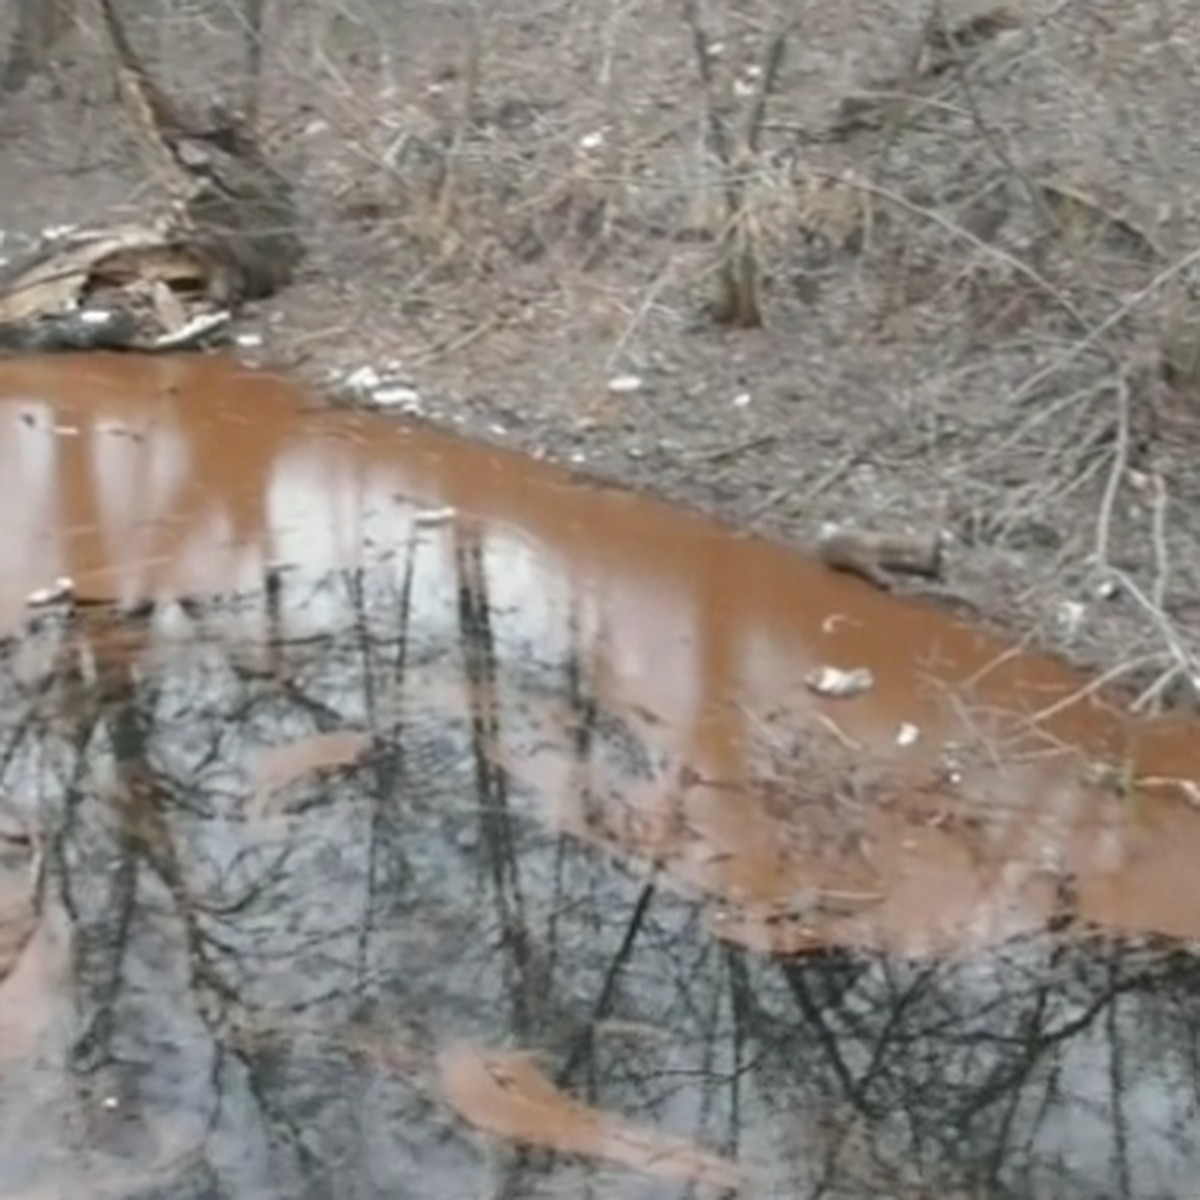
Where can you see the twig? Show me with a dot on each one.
(441, 349)
(1112, 487)
(1099, 683)
(1150, 696)
(1158, 533)
(1035, 499)
(772, 63)
(466, 119)
(961, 232)
(649, 298)
(718, 136)
(822, 484)
(985, 131)
(1039, 417)
(739, 303)
(832, 727)
(756, 442)
(616, 150)
(1097, 332)
(1184, 660)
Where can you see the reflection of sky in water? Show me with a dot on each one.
(668, 633)
(325, 507)
(139, 482)
(30, 531)
(154, 527)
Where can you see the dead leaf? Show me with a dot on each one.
(281, 766)
(507, 1095)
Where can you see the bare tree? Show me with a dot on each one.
(737, 152)
(250, 17)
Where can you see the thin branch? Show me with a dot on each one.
(962, 233)
(772, 64)
(985, 131)
(1097, 332)
(1112, 487)
(1158, 533)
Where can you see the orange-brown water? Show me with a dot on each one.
(802, 823)
(149, 478)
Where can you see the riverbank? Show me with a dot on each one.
(973, 274)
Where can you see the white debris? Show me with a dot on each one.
(833, 681)
(366, 385)
(1069, 616)
(742, 400)
(592, 141)
(61, 589)
(434, 516)
(907, 735)
(95, 316)
(192, 331)
(397, 395)
(249, 340)
(953, 772)
(362, 381)
(625, 385)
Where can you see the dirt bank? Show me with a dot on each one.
(978, 301)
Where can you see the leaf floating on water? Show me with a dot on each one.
(281, 766)
(29, 962)
(18, 910)
(507, 1095)
(833, 681)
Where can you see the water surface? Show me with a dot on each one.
(392, 815)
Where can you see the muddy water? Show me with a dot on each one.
(392, 814)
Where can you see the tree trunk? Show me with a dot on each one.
(252, 32)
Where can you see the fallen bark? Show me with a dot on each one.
(128, 287)
(873, 555)
(174, 282)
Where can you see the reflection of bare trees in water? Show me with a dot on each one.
(491, 781)
(257, 996)
(987, 1075)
